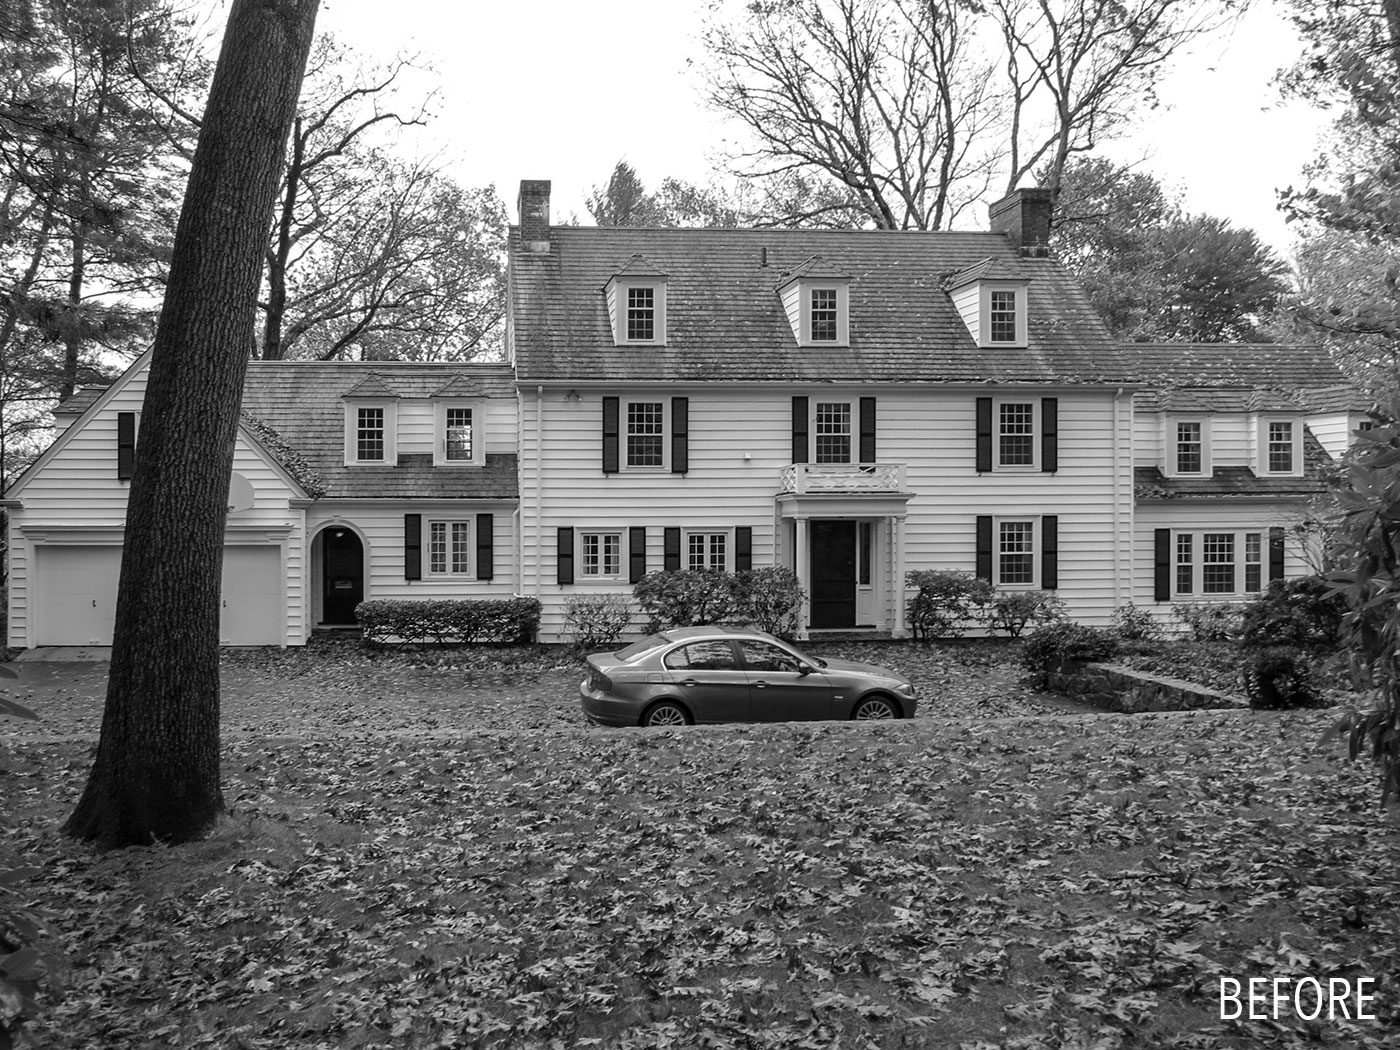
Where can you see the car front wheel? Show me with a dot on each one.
(666, 713)
(874, 707)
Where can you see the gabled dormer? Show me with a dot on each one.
(458, 412)
(371, 423)
(636, 297)
(1276, 429)
(991, 297)
(816, 297)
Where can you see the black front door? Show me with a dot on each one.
(342, 575)
(833, 561)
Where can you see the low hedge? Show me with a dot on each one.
(444, 622)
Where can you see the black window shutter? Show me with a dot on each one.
(1276, 553)
(743, 548)
(413, 546)
(610, 432)
(799, 430)
(1049, 434)
(485, 546)
(1162, 565)
(680, 435)
(1049, 551)
(564, 566)
(867, 430)
(671, 558)
(636, 553)
(984, 545)
(984, 436)
(126, 444)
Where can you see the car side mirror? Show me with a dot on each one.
(804, 668)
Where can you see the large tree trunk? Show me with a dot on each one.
(156, 775)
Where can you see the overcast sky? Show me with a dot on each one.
(560, 90)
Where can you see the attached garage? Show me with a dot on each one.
(76, 591)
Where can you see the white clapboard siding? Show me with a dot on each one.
(740, 441)
(1336, 431)
(1198, 515)
(967, 300)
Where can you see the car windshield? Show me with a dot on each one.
(638, 649)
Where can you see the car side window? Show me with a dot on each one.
(761, 656)
(702, 656)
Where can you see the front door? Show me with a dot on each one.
(342, 575)
(833, 573)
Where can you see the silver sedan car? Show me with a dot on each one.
(734, 674)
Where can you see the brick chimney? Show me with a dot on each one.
(1024, 215)
(533, 206)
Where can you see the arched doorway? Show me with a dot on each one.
(342, 575)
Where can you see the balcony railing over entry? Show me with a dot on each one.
(807, 478)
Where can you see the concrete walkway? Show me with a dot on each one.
(64, 654)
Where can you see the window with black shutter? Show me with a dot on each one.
(799, 430)
(1162, 565)
(636, 553)
(984, 442)
(564, 561)
(610, 435)
(126, 445)
(680, 435)
(671, 550)
(1049, 434)
(485, 546)
(867, 430)
(1049, 551)
(1275, 553)
(984, 547)
(743, 548)
(413, 546)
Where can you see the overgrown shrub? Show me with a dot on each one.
(1209, 621)
(1048, 647)
(686, 597)
(1133, 624)
(1013, 611)
(947, 604)
(1277, 678)
(1303, 613)
(769, 599)
(441, 622)
(597, 621)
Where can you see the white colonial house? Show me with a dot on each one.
(853, 405)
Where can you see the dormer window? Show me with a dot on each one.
(1280, 447)
(636, 297)
(1003, 310)
(823, 315)
(1189, 459)
(817, 300)
(457, 434)
(370, 433)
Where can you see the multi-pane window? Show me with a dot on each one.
(823, 316)
(1016, 552)
(1002, 317)
(641, 314)
(645, 431)
(602, 553)
(1185, 563)
(1016, 434)
(706, 550)
(458, 426)
(832, 426)
(1281, 447)
(369, 434)
(448, 546)
(1188, 448)
(1219, 562)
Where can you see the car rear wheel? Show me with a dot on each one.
(874, 707)
(666, 713)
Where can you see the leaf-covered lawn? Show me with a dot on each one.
(1068, 881)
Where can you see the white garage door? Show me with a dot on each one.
(76, 595)
(251, 611)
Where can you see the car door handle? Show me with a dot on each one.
(690, 681)
(760, 685)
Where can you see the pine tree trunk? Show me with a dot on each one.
(156, 775)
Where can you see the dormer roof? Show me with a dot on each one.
(639, 266)
(814, 269)
(989, 270)
(372, 385)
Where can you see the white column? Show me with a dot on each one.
(800, 564)
(897, 629)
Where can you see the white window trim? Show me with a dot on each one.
(1037, 541)
(622, 413)
(984, 313)
(427, 554)
(853, 404)
(728, 535)
(618, 289)
(1198, 594)
(582, 573)
(1169, 447)
(843, 312)
(440, 408)
(1037, 424)
(352, 436)
(1262, 469)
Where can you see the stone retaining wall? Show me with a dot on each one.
(1117, 688)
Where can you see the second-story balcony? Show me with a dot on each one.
(841, 478)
